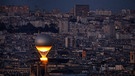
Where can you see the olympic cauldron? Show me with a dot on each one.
(43, 43)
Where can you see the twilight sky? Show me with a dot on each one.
(66, 5)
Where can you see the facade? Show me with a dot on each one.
(63, 26)
(69, 42)
(132, 57)
(132, 61)
(11, 10)
(103, 12)
(84, 54)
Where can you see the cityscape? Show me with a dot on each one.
(86, 42)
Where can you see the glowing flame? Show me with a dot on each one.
(44, 59)
(43, 48)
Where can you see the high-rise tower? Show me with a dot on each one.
(81, 10)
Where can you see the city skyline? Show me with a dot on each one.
(67, 5)
(89, 40)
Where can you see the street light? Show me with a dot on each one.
(43, 43)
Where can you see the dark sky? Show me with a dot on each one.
(66, 5)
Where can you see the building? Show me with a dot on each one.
(81, 10)
(109, 30)
(103, 12)
(83, 54)
(132, 57)
(12, 10)
(69, 42)
(63, 26)
(15, 72)
(132, 61)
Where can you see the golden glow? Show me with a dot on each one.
(43, 48)
(44, 60)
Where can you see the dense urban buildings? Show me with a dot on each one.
(86, 42)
